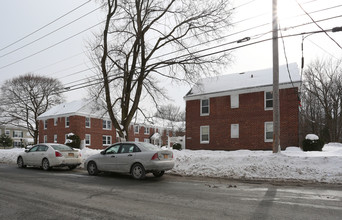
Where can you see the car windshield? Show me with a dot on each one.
(149, 146)
(61, 147)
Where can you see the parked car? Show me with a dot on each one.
(135, 158)
(50, 155)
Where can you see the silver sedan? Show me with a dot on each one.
(50, 155)
(135, 158)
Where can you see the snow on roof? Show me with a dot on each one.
(79, 107)
(246, 80)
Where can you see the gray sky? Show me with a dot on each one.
(67, 61)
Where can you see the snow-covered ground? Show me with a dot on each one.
(291, 164)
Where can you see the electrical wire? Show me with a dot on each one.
(318, 24)
(26, 36)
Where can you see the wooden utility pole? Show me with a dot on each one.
(276, 112)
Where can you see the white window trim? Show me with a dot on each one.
(45, 124)
(234, 101)
(87, 135)
(147, 140)
(207, 141)
(67, 122)
(267, 140)
(7, 132)
(55, 121)
(45, 138)
(107, 128)
(205, 114)
(146, 130)
(136, 132)
(136, 139)
(232, 135)
(267, 108)
(110, 140)
(86, 122)
(55, 138)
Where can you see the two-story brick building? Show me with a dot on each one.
(235, 111)
(93, 125)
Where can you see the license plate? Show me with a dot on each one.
(166, 156)
(71, 154)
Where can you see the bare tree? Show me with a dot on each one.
(131, 52)
(170, 112)
(322, 97)
(26, 97)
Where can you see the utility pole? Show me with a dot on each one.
(276, 111)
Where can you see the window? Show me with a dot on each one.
(107, 125)
(268, 100)
(55, 121)
(136, 129)
(45, 138)
(106, 140)
(67, 122)
(234, 130)
(113, 149)
(87, 122)
(7, 132)
(87, 139)
(55, 138)
(18, 134)
(204, 134)
(136, 139)
(147, 130)
(268, 131)
(16, 143)
(45, 124)
(204, 107)
(234, 101)
(146, 140)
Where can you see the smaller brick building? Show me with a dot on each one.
(92, 125)
(235, 111)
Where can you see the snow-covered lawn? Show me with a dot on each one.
(291, 164)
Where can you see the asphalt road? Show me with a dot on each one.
(62, 194)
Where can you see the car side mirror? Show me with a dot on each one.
(103, 152)
(26, 151)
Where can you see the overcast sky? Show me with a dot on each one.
(61, 53)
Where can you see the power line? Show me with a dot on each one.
(73, 21)
(318, 25)
(10, 64)
(45, 25)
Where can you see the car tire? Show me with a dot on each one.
(92, 168)
(20, 162)
(138, 171)
(46, 164)
(72, 167)
(159, 173)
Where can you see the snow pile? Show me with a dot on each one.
(312, 137)
(291, 164)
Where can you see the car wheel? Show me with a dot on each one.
(72, 167)
(46, 164)
(92, 168)
(158, 174)
(20, 163)
(138, 171)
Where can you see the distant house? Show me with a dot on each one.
(93, 125)
(235, 111)
(20, 136)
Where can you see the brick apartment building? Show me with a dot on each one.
(235, 111)
(93, 126)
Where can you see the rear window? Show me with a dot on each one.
(149, 146)
(61, 147)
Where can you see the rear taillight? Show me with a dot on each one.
(58, 154)
(155, 156)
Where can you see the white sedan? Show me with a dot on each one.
(135, 158)
(50, 155)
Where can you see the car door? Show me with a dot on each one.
(107, 160)
(40, 154)
(30, 155)
(125, 157)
